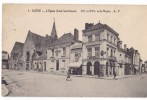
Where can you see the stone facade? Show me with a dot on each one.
(16, 60)
(99, 48)
(99, 53)
(5, 58)
(103, 52)
(35, 47)
(58, 54)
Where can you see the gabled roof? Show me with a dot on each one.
(37, 39)
(40, 41)
(66, 38)
(18, 46)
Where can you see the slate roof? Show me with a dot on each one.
(37, 39)
(18, 46)
(66, 38)
(101, 26)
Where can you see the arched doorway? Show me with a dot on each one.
(96, 68)
(89, 64)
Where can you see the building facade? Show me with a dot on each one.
(99, 48)
(58, 54)
(76, 59)
(35, 47)
(99, 53)
(16, 60)
(5, 58)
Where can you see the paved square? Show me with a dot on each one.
(43, 84)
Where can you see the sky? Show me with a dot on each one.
(129, 21)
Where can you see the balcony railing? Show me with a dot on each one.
(93, 57)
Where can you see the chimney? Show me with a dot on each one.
(76, 34)
(87, 25)
(125, 47)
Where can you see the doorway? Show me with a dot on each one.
(44, 66)
(57, 65)
(89, 64)
(96, 68)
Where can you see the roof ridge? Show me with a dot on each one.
(35, 34)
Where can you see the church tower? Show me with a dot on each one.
(54, 32)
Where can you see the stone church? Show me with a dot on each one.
(36, 46)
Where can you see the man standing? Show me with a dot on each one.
(114, 73)
(68, 76)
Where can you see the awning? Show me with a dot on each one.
(75, 64)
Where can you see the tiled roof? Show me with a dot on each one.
(66, 38)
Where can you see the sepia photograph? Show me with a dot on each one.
(74, 50)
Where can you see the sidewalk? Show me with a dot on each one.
(12, 89)
(104, 77)
(84, 76)
(91, 76)
(5, 90)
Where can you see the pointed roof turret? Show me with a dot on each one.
(54, 32)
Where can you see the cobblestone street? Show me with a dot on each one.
(43, 84)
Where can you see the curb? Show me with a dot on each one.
(106, 78)
(5, 90)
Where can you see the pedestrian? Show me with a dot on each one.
(68, 76)
(114, 75)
